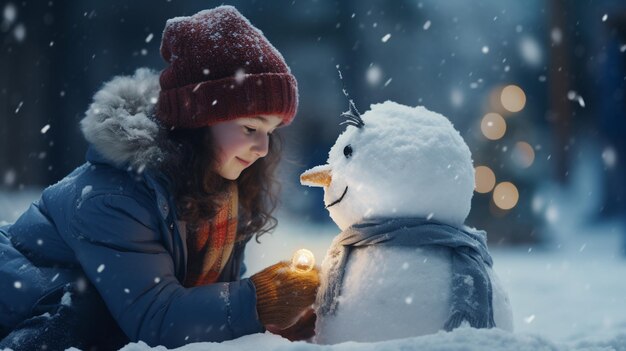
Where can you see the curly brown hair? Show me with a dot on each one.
(190, 164)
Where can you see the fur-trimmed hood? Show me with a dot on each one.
(120, 122)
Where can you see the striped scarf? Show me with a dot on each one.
(210, 245)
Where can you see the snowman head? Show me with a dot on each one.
(396, 161)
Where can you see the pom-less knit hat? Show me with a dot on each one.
(220, 68)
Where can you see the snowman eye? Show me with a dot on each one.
(347, 151)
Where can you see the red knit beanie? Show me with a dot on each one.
(220, 68)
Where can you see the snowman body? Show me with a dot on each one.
(397, 292)
(396, 161)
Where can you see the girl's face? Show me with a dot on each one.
(241, 142)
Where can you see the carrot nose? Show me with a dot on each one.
(317, 176)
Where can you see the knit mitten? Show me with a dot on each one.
(282, 293)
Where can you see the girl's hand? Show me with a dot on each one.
(303, 329)
(283, 294)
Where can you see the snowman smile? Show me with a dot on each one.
(339, 199)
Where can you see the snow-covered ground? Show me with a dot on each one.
(570, 295)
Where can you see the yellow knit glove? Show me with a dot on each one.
(282, 293)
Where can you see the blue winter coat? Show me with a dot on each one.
(112, 221)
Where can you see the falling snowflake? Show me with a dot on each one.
(456, 97)
(240, 75)
(385, 38)
(552, 214)
(609, 157)
(537, 203)
(19, 32)
(572, 95)
(373, 75)
(86, 190)
(530, 50)
(10, 13)
(556, 35)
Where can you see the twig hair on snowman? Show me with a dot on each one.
(398, 182)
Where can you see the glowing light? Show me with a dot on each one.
(505, 195)
(523, 154)
(493, 126)
(513, 98)
(485, 179)
(303, 260)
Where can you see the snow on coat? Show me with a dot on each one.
(112, 221)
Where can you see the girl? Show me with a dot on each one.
(145, 241)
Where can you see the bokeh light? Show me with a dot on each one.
(513, 98)
(493, 126)
(523, 154)
(485, 179)
(505, 195)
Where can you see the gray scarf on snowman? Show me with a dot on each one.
(471, 285)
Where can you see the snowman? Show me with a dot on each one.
(399, 182)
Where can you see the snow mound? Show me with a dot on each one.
(467, 339)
